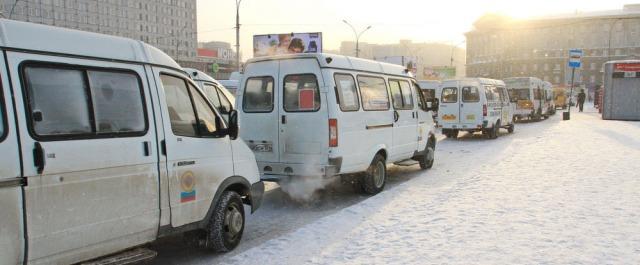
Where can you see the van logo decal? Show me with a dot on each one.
(188, 185)
(471, 117)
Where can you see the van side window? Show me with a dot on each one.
(449, 95)
(407, 96)
(374, 94)
(301, 93)
(2, 119)
(211, 93)
(68, 102)
(181, 112)
(116, 101)
(471, 94)
(258, 95)
(489, 93)
(401, 94)
(225, 105)
(537, 94)
(347, 92)
(206, 116)
(502, 93)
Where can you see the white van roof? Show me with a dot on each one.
(327, 60)
(473, 79)
(43, 38)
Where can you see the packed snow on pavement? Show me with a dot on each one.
(554, 192)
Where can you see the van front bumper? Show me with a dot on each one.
(257, 192)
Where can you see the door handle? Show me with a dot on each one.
(147, 148)
(396, 116)
(38, 157)
(284, 119)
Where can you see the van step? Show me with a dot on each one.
(134, 256)
(406, 163)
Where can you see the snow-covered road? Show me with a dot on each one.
(554, 192)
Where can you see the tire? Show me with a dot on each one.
(375, 177)
(511, 128)
(454, 134)
(425, 162)
(227, 223)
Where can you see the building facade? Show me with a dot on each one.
(169, 25)
(425, 56)
(500, 47)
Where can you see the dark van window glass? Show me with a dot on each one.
(225, 104)
(258, 95)
(407, 96)
(59, 97)
(449, 95)
(301, 93)
(181, 113)
(212, 95)
(471, 94)
(373, 91)
(206, 116)
(117, 102)
(347, 92)
(396, 94)
(2, 122)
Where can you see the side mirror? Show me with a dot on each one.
(233, 124)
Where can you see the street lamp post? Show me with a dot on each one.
(355, 32)
(238, 34)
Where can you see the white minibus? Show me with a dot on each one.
(323, 115)
(475, 105)
(527, 94)
(106, 144)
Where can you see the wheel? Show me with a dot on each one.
(426, 161)
(376, 176)
(454, 134)
(227, 223)
(511, 128)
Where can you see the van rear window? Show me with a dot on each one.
(471, 94)
(301, 93)
(72, 101)
(258, 95)
(449, 95)
(374, 93)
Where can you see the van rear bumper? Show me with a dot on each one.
(281, 171)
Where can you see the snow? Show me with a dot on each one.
(554, 192)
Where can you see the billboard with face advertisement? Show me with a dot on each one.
(276, 44)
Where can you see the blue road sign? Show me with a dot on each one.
(575, 57)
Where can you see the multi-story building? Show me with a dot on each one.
(169, 25)
(500, 47)
(425, 55)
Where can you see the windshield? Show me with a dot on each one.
(519, 94)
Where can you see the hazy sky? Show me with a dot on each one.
(419, 20)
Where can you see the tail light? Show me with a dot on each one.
(333, 132)
(484, 110)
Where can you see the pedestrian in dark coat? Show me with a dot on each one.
(581, 97)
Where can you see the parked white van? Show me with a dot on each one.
(219, 96)
(107, 144)
(475, 105)
(323, 115)
(528, 94)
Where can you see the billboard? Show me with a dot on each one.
(275, 44)
(410, 62)
(439, 72)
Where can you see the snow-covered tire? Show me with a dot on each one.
(227, 223)
(493, 133)
(426, 162)
(375, 177)
(511, 128)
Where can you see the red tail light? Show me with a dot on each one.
(484, 110)
(333, 132)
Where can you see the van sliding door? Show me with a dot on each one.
(87, 136)
(11, 222)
